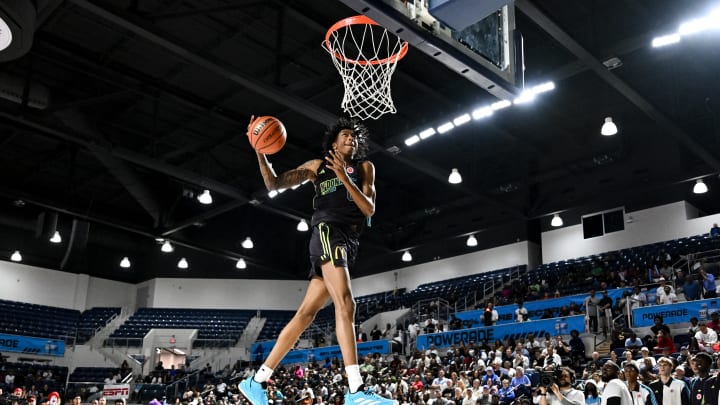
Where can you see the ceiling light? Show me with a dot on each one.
(698, 24)
(302, 226)
(241, 264)
(125, 263)
(609, 128)
(205, 197)
(183, 264)
(463, 119)
(524, 97)
(5, 35)
(407, 257)
(665, 40)
(556, 221)
(272, 194)
(427, 133)
(455, 177)
(542, 88)
(16, 256)
(471, 241)
(499, 105)
(445, 127)
(248, 243)
(482, 112)
(700, 187)
(412, 140)
(56, 238)
(167, 247)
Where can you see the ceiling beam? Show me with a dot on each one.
(209, 63)
(663, 122)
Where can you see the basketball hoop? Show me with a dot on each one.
(365, 54)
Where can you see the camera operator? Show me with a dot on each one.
(560, 391)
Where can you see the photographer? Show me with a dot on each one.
(559, 390)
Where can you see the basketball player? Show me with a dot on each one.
(344, 202)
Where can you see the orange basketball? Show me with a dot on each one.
(267, 135)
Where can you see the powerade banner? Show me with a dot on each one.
(29, 345)
(261, 350)
(675, 313)
(555, 326)
(506, 313)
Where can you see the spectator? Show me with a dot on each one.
(506, 393)
(714, 322)
(708, 284)
(661, 289)
(715, 230)
(490, 315)
(706, 338)
(637, 389)
(376, 333)
(591, 306)
(668, 389)
(520, 312)
(633, 343)
(668, 297)
(591, 393)
(664, 342)
(615, 391)
(691, 288)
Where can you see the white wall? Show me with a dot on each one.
(652, 225)
(458, 266)
(35, 285)
(239, 294)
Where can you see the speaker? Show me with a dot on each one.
(17, 27)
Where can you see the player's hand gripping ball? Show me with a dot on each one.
(266, 134)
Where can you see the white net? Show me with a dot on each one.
(365, 55)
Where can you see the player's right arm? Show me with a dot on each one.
(306, 171)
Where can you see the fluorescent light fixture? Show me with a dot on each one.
(463, 119)
(556, 221)
(698, 25)
(412, 140)
(205, 198)
(665, 40)
(302, 226)
(482, 113)
(16, 256)
(499, 105)
(56, 238)
(471, 241)
(608, 128)
(427, 133)
(272, 194)
(248, 243)
(455, 177)
(700, 187)
(241, 264)
(183, 264)
(445, 127)
(407, 257)
(544, 87)
(524, 97)
(125, 263)
(167, 247)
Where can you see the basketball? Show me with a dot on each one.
(267, 135)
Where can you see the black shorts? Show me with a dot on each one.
(332, 242)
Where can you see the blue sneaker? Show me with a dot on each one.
(367, 397)
(255, 392)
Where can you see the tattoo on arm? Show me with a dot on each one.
(292, 178)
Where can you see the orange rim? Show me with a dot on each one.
(359, 20)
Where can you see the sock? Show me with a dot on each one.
(263, 374)
(354, 378)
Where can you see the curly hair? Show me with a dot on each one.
(359, 130)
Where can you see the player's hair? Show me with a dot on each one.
(359, 130)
